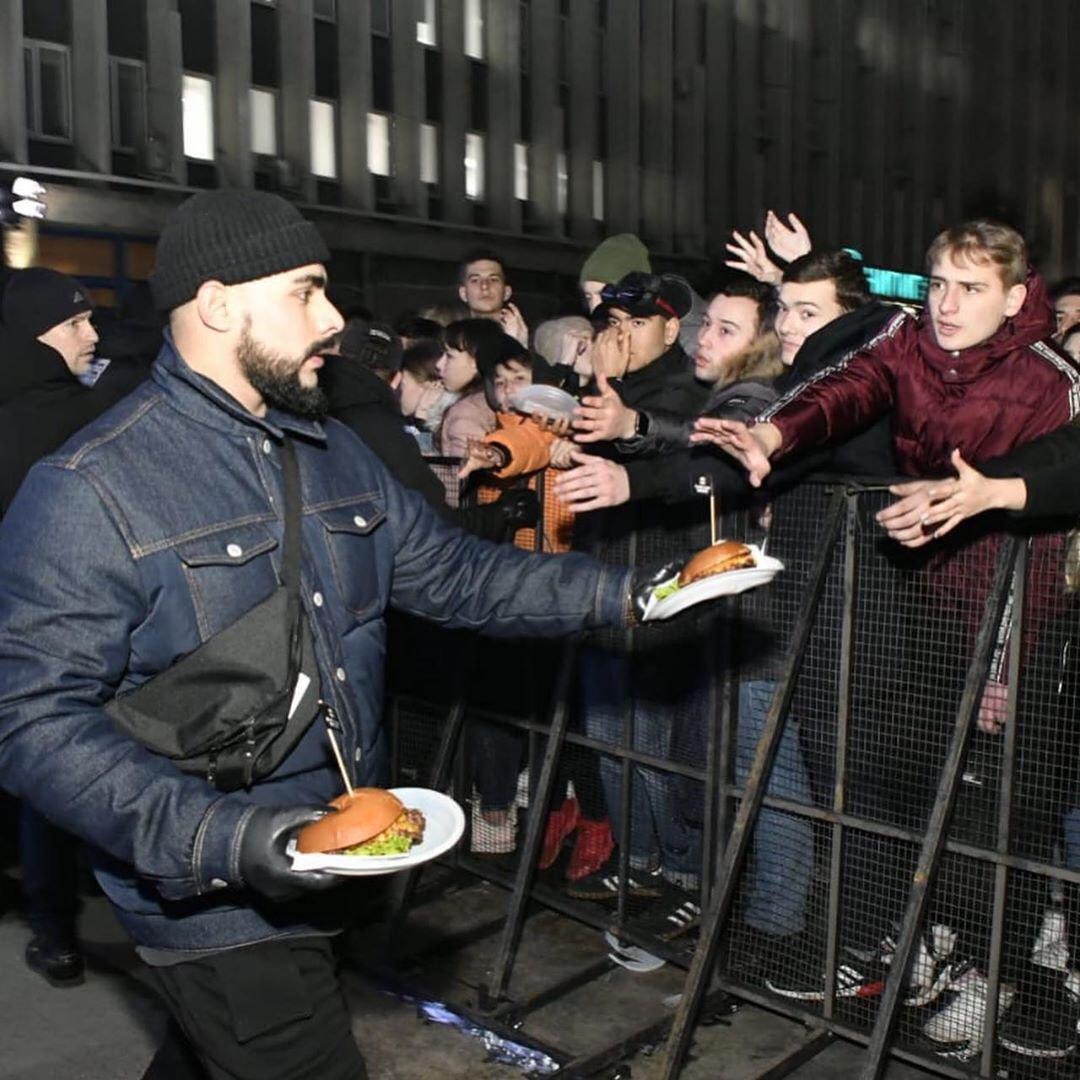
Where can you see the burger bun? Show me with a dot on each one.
(355, 820)
(716, 559)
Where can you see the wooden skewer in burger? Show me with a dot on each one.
(365, 821)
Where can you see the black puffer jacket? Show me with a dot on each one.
(42, 404)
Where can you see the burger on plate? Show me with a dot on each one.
(718, 558)
(370, 821)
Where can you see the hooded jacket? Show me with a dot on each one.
(984, 400)
(42, 404)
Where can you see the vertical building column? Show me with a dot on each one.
(92, 127)
(504, 112)
(12, 84)
(232, 107)
(354, 68)
(296, 48)
(455, 93)
(689, 131)
(408, 74)
(583, 95)
(543, 114)
(721, 94)
(164, 87)
(657, 50)
(623, 61)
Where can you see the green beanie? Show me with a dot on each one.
(616, 257)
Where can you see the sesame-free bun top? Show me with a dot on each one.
(717, 559)
(357, 818)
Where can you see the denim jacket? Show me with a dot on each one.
(154, 528)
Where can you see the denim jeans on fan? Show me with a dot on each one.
(778, 879)
(665, 815)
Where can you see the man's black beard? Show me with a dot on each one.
(277, 378)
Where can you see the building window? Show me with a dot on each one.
(128, 96)
(264, 127)
(474, 166)
(474, 29)
(378, 144)
(429, 154)
(198, 112)
(322, 121)
(427, 29)
(48, 90)
(521, 171)
(380, 17)
(598, 190)
(326, 10)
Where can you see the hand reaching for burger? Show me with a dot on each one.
(750, 446)
(265, 867)
(593, 483)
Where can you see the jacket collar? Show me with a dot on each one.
(203, 400)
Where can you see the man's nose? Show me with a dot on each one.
(950, 298)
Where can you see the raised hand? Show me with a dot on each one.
(603, 417)
(513, 323)
(593, 484)
(611, 353)
(790, 240)
(481, 455)
(750, 446)
(748, 254)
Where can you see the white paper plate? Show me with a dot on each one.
(444, 824)
(765, 568)
(546, 399)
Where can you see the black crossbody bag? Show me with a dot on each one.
(222, 711)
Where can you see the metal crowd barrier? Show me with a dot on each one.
(878, 765)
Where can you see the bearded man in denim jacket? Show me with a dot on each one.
(161, 524)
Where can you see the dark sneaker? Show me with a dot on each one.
(675, 913)
(603, 884)
(1042, 1024)
(855, 978)
(60, 963)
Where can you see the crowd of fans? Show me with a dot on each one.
(786, 368)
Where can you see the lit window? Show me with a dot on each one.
(521, 171)
(429, 154)
(427, 30)
(562, 183)
(378, 144)
(198, 110)
(474, 166)
(322, 126)
(598, 190)
(263, 121)
(474, 29)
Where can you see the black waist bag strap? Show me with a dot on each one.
(223, 710)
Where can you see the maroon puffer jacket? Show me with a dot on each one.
(985, 400)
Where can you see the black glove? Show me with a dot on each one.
(265, 867)
(520, 508)
(645, 579)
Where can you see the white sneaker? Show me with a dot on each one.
(1051, 948)
(931, 970)
(959, 1025)
(486, 838)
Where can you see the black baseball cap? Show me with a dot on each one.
(643, 295)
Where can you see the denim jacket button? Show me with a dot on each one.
(359, 522)
(266, 446)
(234, 551)
(218, 883)
(358, 754)
(339, 674)
(317, 599)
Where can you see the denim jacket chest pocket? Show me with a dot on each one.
(228, 572)
(352, 546)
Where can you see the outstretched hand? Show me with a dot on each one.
(514, 324)
(790, 241)
(929, 509)
(479, 455)
(593, 483)
(750, 446)
(748, 254)
(603, 417)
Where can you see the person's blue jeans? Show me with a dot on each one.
(665, 828)
(778, 880)
(50, 875)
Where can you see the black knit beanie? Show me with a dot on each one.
(230, 236)
(38, 299)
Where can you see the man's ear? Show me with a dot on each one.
(671, 331)
(212, 302)
(507, 293)
(463, 296)
(1014, 300)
